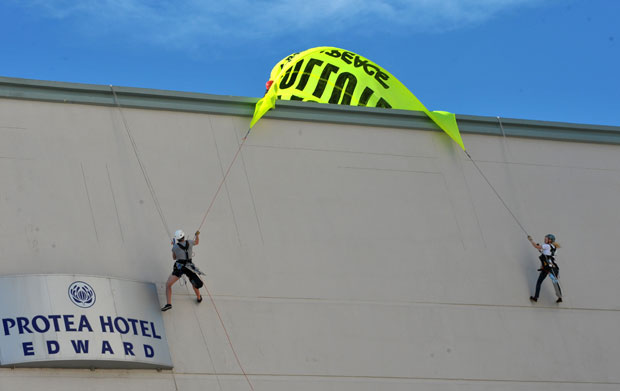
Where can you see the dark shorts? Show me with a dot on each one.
(179, 269)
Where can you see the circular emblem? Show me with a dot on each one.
(82, 294)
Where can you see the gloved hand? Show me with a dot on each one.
(197, 233)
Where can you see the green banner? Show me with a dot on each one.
(337, 76)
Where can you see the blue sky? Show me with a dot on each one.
(554, 60)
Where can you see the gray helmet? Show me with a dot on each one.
(551, 237)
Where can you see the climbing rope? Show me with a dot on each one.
(501, 126)
(232, 348)
(204, 338)
(224, 179)
(142, 168)
(493, 188)
(149, 184)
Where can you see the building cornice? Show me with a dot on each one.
(142, 98)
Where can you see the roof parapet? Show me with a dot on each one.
(142, 98)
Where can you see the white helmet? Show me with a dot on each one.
(179, 234)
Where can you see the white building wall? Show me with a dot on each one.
(340, 257)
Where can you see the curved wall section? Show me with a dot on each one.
(73, 321)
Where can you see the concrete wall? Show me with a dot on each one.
(340, 257)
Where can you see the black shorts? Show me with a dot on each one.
(178, 269)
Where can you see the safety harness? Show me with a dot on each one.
(548, 261)
(186, 249)
(189, 266)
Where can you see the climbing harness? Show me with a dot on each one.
(548, 261)
(186, 250)
(552, 269)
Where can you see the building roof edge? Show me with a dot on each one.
(143, 98)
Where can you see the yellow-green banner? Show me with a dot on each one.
(337, 76)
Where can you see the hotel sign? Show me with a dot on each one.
(71, 321)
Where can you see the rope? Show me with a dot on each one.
(163, 220)
(232, 348)
(501, 127)
(228, 338)
(142, 168)
(223, 179)
(187, 285)
(217, 192)
(495, 191)
(204, 338)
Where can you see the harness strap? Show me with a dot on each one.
(186, 248)
(548, 261)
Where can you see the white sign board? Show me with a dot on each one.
(74, 321)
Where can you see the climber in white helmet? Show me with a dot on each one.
(182, 255)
